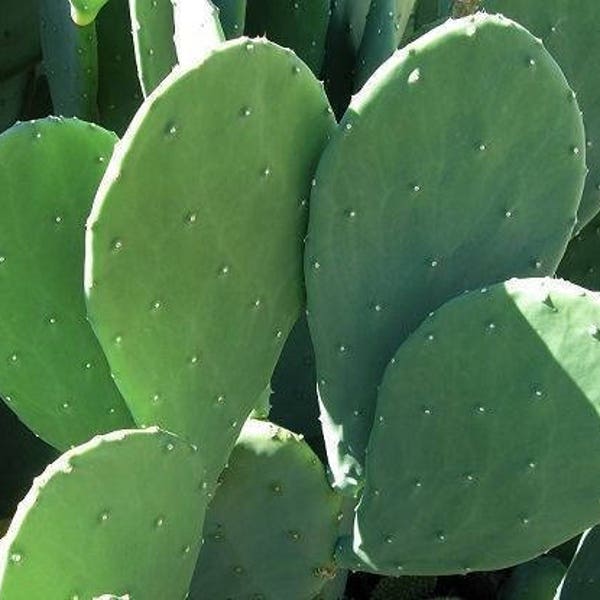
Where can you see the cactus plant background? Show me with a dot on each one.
(298, 300)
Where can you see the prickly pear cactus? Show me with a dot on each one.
(191, 317)
(197, 30)
(569, 32)
(429, 211)
(122, 513)
(52, 371)
(273, 524)
(83, 12)
(517, 362)
(153, 28)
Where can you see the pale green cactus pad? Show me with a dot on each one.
(122, 513)
(417, 200)
(195, 280)
(569, 31)
(52, 371)
(272, 527)
(513, 368)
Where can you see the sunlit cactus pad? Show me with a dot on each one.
(121, 514)
(52, 371)
(513, 368)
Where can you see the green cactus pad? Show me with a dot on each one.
(232, 14)
(83, 12)
(582, 580)
(120, 514)
(153, 27)
(449, 195)
(570, 33)
(19, 36)
(385, 26)
(534, 580)
(70, 61)
(52, 371)
(344, 35)
(197, 30)
(119, 93)
(299, 25)
(195, 280)
(271, 529)
(483, 414)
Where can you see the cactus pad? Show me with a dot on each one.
(450, 195)
(122, 513)
(52, 371)
(194, 281)
(272, 526)
(481, 451)
(570, 33)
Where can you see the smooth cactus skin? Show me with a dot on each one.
(534, 580)
(569, 32)
(191, 316)
(52, 371)
(119, 93)
(581, 262)
(83, 12)
(232, 14)
(197, 30)
(404, 167)
(153, 28)
(518, 363)
(384, 29)
(582, 581)
(70, 61)
(122, 513)
(19, 36)
(271, 529)
(300, 25)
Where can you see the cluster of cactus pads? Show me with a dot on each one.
(298, 300)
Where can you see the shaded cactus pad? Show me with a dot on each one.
(272, 527)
